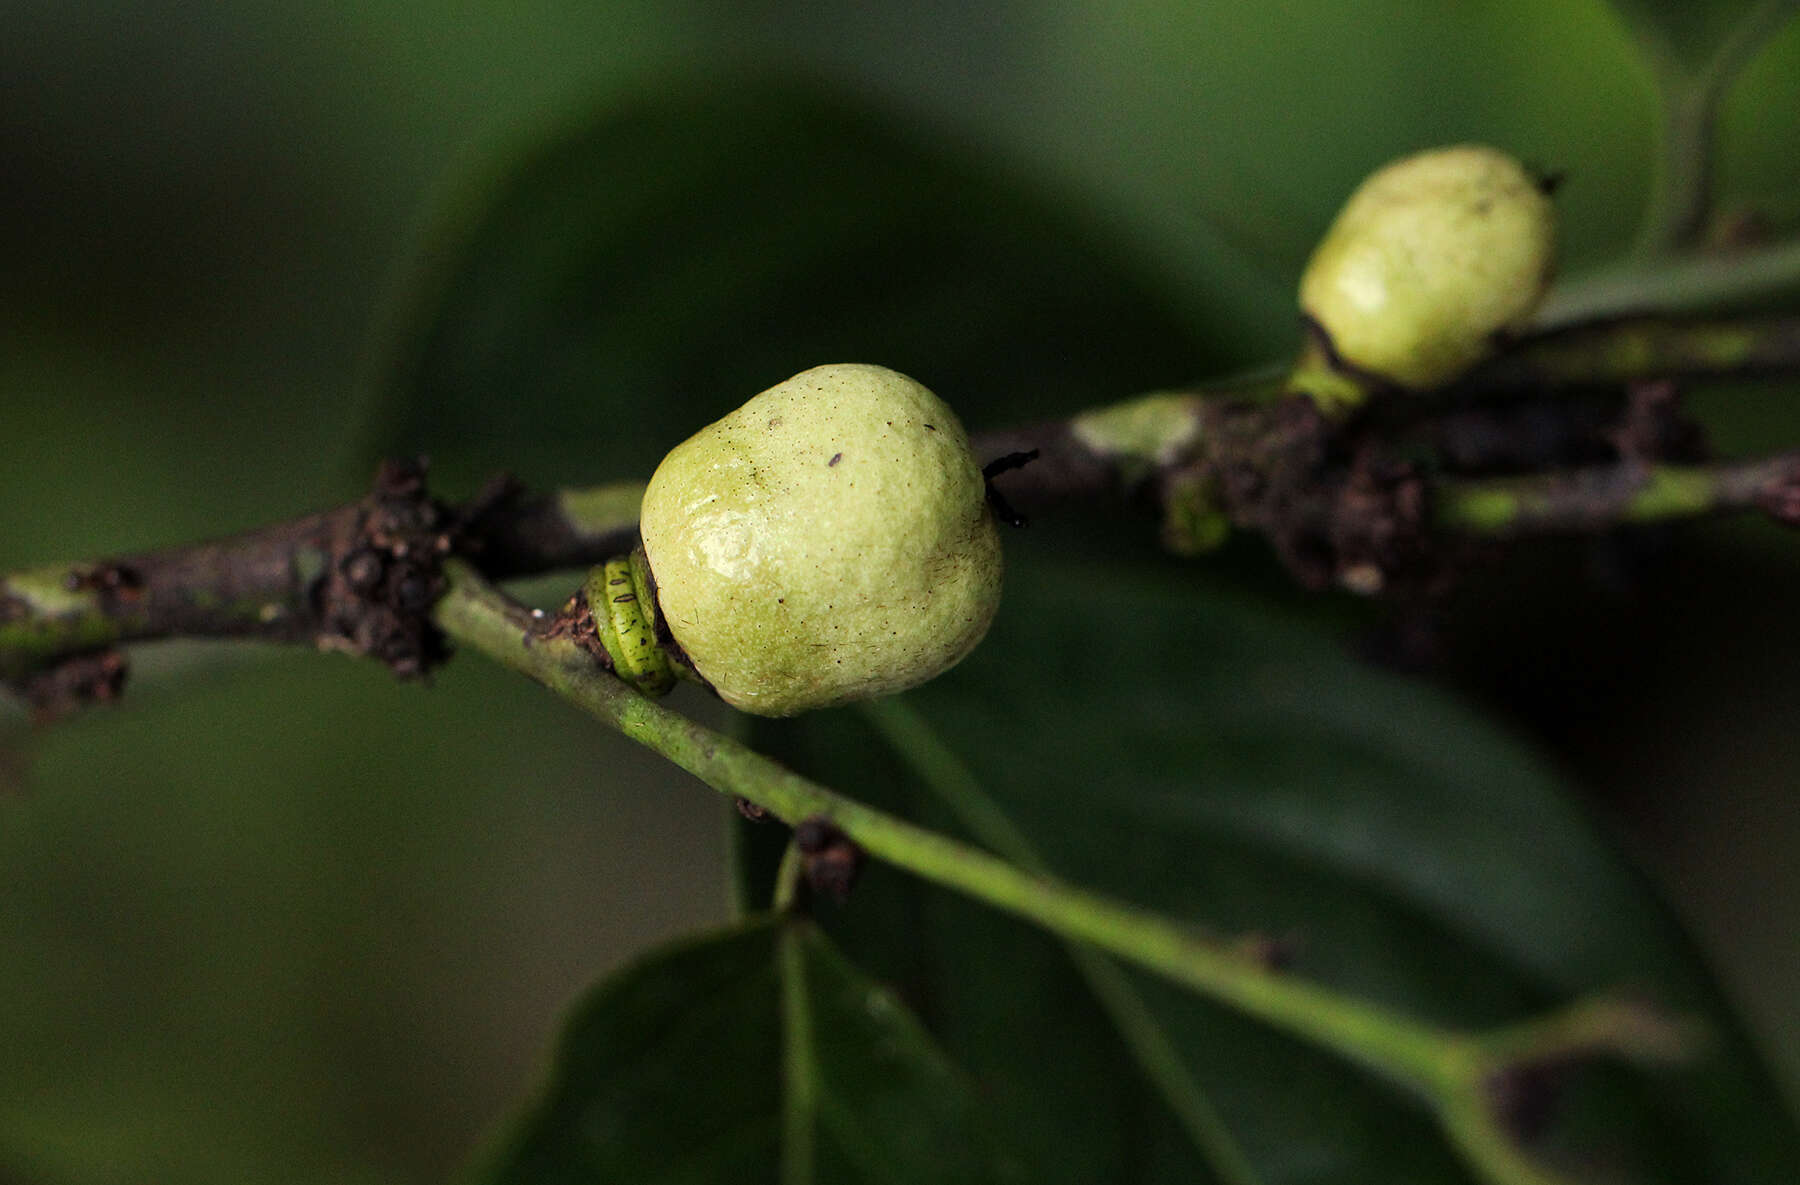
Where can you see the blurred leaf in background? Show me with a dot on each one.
(278, 917)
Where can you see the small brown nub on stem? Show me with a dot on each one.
(830, 860)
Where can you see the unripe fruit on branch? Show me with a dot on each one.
(1431, 260)
(829, 541)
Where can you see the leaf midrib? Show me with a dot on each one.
(951, 781)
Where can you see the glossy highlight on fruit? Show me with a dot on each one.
(1430, 260)
(829, 541)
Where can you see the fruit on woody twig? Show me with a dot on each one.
(828, 541)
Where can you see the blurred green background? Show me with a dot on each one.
(277, 918)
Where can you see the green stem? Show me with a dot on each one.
(267, 584)
(1591, 499)
(1620, 1028)
(1584, 1028)
(1682, 191)
(1616, 353)
(1435, 1062)
(1682, 198)
(787, 880)
(800, 1086)
(1682, 284)
(482, 618)
(914, 741)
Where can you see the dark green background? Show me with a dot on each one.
(277, 918)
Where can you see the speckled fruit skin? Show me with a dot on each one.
(828, 541)
(1430, 259)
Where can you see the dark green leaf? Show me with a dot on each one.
(662, 263)
(1199, 756)
(688, 1067)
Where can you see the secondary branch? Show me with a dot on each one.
(1453, 1070)
(1342, 502)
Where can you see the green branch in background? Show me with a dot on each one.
(1681, 200)
(1127, 443)
(1242, 454)
(1584, 499)
(1678, 284)
(1619, 353)
(1343, 501)
(1452, 1070)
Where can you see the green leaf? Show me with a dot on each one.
(1205, 758)
(665, 260)
(755, 1054)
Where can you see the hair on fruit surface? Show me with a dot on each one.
(828, 541)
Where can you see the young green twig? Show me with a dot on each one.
(1629, 492)
(1451, 1070)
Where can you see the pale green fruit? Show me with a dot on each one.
(828, 541)
(1431, 258)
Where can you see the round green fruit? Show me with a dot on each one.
(1429, 261)
(828, 541)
